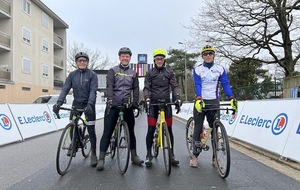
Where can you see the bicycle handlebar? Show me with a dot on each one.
(162, 104)
(69, 109)
(219, 107)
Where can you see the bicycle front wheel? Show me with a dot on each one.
(86, 149)
(189, 132)
(65, 149)
(166, 149)
(155, 145)
(123, 147)
(222, 150)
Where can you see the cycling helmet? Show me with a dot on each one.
(81, 54)
(159, 51)
(125, 50)
(207, 48)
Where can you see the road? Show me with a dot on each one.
(31, 165)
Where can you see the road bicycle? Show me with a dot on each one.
(161, 138)
(120, 139)
(219, 139)
(74, 137)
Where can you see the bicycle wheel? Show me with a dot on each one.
(65, 149)
(112, 145)
(86, 149)
(155, 145)
(123, 147)
(222, 150)
(189, 132)
(166, 149)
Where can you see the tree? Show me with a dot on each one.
(263, 30)
(96, 60)
(176, 61)
(244, 77)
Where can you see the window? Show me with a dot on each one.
(45, 90)
(45, 19)
(45, 45)
(26, 66)
(26, 88)
(26, 35)
(26, 6)
(45, 70)
(2, 86)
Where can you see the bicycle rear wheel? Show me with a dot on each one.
(123, 147)
(221, 149)
(155, 145)
(189, 132)
(65, 149)
(86, 149)
(166, 149)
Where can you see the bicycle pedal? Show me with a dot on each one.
(205, 148)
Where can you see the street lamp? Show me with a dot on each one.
(185, 84)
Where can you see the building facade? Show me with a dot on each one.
(32, 51)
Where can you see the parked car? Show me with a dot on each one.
(52, 99)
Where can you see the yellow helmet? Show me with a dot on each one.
(207, 48)
(159, 51)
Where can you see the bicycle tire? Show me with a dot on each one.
(189, 135)
(65, 150)
(166, 149)
(112, 145)
(123, 147)
(155, 144)
(222, 150)
(86, 148)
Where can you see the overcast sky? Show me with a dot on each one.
(141, 25)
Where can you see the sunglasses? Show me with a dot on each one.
(207, 53)
(159, 58)
(82, 60)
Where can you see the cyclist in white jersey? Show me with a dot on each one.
(207, 77)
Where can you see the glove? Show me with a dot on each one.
(147, 105)
(199, 104)
(134, 105)
(234, 103)
(88, 109)
(56, 108)
(109, 103)
(178, 103)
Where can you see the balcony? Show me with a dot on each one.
(58, 62)
(58, 41)
(4, 41)
(5, 75)
(58, 83)
(4, 9)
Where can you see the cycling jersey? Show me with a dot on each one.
(207, 81)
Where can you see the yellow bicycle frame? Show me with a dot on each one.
(160, 133)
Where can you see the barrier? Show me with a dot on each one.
(8, 129)
(273, 125)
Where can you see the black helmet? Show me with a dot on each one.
(81, 54)
(124, 50)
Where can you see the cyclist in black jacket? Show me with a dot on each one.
(84, 83)
(159, 82)
(121, 83)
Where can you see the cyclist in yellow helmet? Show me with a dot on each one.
(207, 77)
(158, 82)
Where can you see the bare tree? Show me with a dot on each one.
(264, 30)
(97, 61)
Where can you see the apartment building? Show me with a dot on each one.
(32, 51)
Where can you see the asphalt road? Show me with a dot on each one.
(31, 165)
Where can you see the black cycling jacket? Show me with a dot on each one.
(120, 83)
(84, 84)
(159, 82)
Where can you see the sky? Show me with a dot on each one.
(141, 25)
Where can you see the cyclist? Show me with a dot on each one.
(207, 77)
(84, 83)
(158, 83)
(121, 82)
